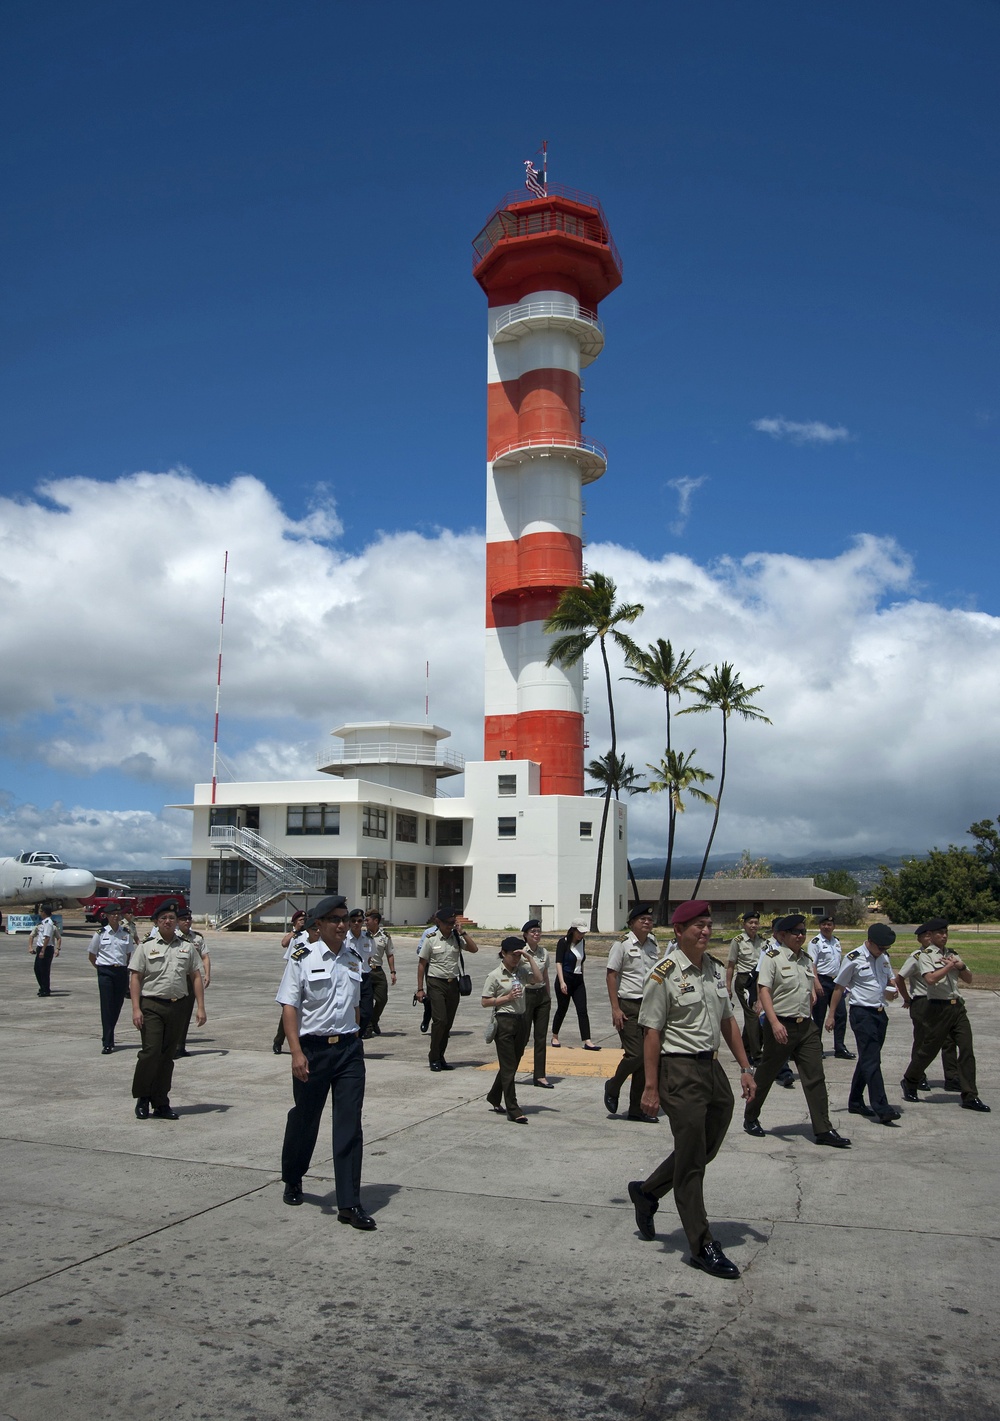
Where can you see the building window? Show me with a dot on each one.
(331, 867)
(219, 818)
(506, 884)
(586, 828)
(427, 831)
(374, 822)
(427, 883)
(506, 785)
(406, 880)
(448, 833)
(406, 828)
(312, 819)
(506, 827)
(621, 833)
(586, 900)
(237, 877)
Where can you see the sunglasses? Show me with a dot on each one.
(334, 918)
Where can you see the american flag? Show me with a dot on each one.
(531, 179)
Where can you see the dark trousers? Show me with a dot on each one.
(380, 993)
(112, 985)
(869, 1025)
(697, 1100)
(341, 1068)
(43, 969)
(154, 1067)
(367, 1003)
(751, 1021)
(576, 993)
(945, 1020)
(537, 1008)
(949, 1051)
(839, 1017)
(188, 1004)
(805, 1048)
(509, 1041)
(631, 1063)
(279, 1035)
(425, 1020)
(444, 995)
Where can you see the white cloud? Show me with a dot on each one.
(96, 838)
(884, 717)
(686, 488)
(812, 431)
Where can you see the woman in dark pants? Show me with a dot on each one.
(537, 1001)
(571, 951)
(504, 990)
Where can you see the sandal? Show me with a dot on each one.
(555, 1043)
(497, 1109)
(518, 1119)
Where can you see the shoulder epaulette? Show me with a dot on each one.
(713, 960)
(357, 954)
(299, 953)
(662, 969)
(855, 953)
(771, 951)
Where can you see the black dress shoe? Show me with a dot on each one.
(107, 1050)
(292, 1194)
(610, 1101)
(276, 1048)
(830, 1137)
(924, 1084)
(142, 1108)
(165, 1114)
(909, 1091)
(845, 1055)
(544, 1085)
(367, 1035)
(645, 1207)
(711, 1260)
(889, 1118)
(953, 1085)
(752, 1127)
(356, 1217)
(424, 1025)
(179, 1054)
(974, 1103)
(643, 1119)
(861, 1110)
(376, 1029)
(445, 1065)
(787, 1081)
(436, 1066)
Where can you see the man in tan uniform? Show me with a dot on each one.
(629, 964)
(439, 962)
(913, 995)
(942, 970)
(159, 971)
(685, 1011)
(744, 951)
(787, 991)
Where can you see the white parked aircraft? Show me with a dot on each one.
(44, 878)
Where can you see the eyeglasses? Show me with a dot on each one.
(796, 932)
(334, 918)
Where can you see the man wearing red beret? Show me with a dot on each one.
(685, 1011)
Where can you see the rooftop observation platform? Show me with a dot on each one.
(562, 238)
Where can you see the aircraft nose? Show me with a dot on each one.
(74, 883)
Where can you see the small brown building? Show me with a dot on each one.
(732, 897)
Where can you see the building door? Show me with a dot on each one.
(451, 888)
(546, 915)
(374, 879)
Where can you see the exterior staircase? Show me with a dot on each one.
(277, 873)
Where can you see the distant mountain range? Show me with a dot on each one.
(863, 867)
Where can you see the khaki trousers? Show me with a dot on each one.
(509, 1042)
(444, 997)
(697, 1100)
(805, 1047)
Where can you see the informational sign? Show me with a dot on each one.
(24, 922)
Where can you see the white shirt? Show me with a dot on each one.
(301, 939)
(362, 946)
(826, 955)
(111, 947)
(45, 933)
(324, 987)
(866, 976)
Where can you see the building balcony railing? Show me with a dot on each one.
(521, 215)
(553, 315)
(591, 456)
(431, 757)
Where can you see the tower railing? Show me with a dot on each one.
(526, 310)
(391, 753)
(518, 215)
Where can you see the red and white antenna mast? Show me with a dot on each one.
(218, 679)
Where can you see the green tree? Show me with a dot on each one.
(950, 883)
(838, 880)
(747, 867)
(658, 668)
(676, 776)
(987, 848)
(623, 778)
(724, 691)
(584, 615)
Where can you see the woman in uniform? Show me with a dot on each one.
(537, 1000)
(504, 991)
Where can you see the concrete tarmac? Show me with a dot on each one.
(151, 1269)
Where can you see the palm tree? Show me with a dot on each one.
(659, 669)
(621, 776)
(584, 615)
(677, 775)
(723, 690)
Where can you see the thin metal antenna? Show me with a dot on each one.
(218, 686)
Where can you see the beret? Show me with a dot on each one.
(686, 912)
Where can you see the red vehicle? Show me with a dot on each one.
(140, 905)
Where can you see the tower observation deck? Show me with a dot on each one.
(545, 264)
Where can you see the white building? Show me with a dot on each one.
(380, 834)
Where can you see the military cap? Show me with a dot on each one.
(932, 925)
(881, 935)
(639, 911)
(168, 907)
(531, 923)
(512, 944)
(686, 912)
(323, 907)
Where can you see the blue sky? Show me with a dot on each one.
(237, 241)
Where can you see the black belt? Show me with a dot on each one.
(793, 1020)
(942, 1001)
(690, 1055)
(169, 1001)
(329, 1040)
(860, 1006)
(826, 977)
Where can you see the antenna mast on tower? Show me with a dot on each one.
(218, 679)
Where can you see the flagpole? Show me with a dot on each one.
(545, 163)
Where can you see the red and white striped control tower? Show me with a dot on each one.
(545, 264)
